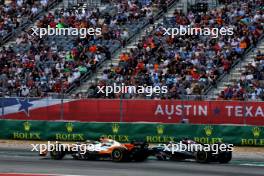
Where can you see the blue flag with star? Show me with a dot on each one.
(24, 106)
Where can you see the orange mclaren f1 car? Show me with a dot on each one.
(104, 149)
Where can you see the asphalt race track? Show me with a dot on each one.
(19, 162)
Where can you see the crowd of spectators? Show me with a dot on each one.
(251, 84)
(187, 65)
(36, 67)
(17, 13)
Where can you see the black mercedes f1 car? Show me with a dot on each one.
(189, 149)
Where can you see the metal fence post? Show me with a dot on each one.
(244, 112)
(121, 108)
(183, 112)
(3, 110)
(61, 110)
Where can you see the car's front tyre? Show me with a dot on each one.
(202, 156)
(225, 157)
(118, 155)
(57, 154)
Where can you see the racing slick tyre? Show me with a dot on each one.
(225, 157)
(89, 156)
(119, 154)
(201, 156)
(57, 154)
(138, 155)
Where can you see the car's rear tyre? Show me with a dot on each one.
(89, 156)
(201, 157)
(225, 157)
(118, 155)
(138, 155)
(57, 154)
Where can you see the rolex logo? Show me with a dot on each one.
(208, 130)
(256, 132)
(115, 128)
(69, 127)
(27, 126)
(160, 129)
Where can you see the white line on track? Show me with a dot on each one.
(251, 164)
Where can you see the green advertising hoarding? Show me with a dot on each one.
(125, 132)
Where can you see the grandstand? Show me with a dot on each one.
(200, 61)
(132, 49)
(46, 58)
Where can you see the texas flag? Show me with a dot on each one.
(58, 109)
(32, 109)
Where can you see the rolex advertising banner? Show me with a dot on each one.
(126, 132)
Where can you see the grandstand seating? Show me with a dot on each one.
(18, 14)
(188, 65)
(250, 83)
(36, 67)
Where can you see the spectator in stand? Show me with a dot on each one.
(251, 84)
(259, 56)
